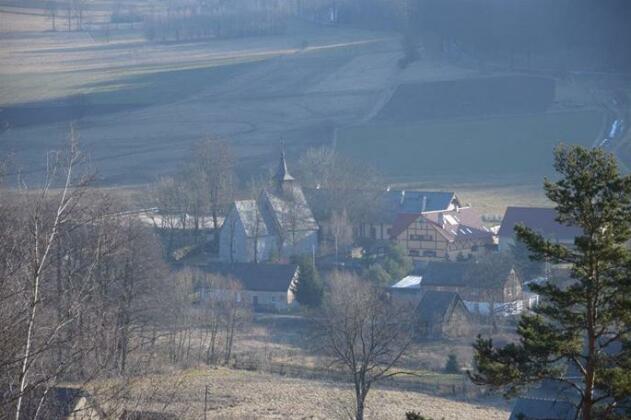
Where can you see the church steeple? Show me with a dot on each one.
(283, 179)
(282, 174)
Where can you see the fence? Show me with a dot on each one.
(453, 385)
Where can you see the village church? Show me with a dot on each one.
(276, 225)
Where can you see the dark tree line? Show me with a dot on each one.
(208, 20)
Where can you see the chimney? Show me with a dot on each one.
(402, 197)
(424, 204)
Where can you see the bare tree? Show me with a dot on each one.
(51, 7)
(341, 230)
(214, 158)
(363, 332)
(341, 184)
(74, 286)
(44, 227)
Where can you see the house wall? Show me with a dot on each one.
(232, 239)
(375, 231)
(305, 243)
(422, 241)
(455, 324)
(265, 245)
(277, 300)
(458, 324)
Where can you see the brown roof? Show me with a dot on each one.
(401, 223)
(540, 219)
(453, 225)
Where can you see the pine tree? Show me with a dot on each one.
(452, 365)
(580, 334)
(308, 288)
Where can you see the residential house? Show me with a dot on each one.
(540, 219)
(264, 286)
(429, 226)
(279, 223)
(479, 292)
(442, 315)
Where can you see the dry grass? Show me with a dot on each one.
(239, 394)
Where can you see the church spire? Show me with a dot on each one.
(282, 174)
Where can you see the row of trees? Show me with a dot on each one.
(79, 286)
(203, 187)
(85, 293)
(70, 12)
(183, 21)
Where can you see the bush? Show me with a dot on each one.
(452, 365)
(413, 415)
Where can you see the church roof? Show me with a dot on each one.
(291, 214)
(253, 220)
(282, 173)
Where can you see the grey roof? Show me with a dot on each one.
(435, 305)
(542, 409)
(256, 277)
(540, 219)
(459, 274)
(253, 220)
(395, 202)
(290, 213)
(444, 273)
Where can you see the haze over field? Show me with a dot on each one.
(140, 104)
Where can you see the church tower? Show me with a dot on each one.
(283, 181)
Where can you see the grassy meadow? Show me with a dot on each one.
(501, 150)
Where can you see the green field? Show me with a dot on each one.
(515, 149)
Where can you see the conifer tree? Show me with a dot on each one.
(580, 335)
(308, 288)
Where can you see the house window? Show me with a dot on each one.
(413, 253)
(414, 237)
(429, 253)
(274, 299)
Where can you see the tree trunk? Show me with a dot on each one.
(359, 411)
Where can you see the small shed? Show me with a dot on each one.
(442, 315)
(407, 290)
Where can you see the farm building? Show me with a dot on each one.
(264, 286)
(278, 223)
(407, 290)
(442, 315)
(540, 219)
(429, 225)
(480, 291)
